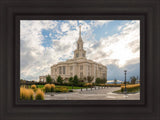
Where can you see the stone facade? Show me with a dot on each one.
(79, 65)
(42, 78)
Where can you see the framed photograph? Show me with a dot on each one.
(79, 60)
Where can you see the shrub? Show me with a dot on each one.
(47, 87)
(113, 85)
(70, 90)
(26, 94)
(75, 80)
(52, 87)
(39, 95)
(88, 84)
(60, 80)
(61, 89)
(81, 84)
(33, 86)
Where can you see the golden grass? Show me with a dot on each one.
(61, 89)
(88, 84)
(47, 87)
(53, 86)
(26, 94)
(39, 95)
(131, 88)
(33, 86)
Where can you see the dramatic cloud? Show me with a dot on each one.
(47, 42)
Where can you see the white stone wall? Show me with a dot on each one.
(74, 68)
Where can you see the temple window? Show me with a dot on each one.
(81, 67)
(64, 69)
(81, 74)
(71, 67)
(77, 55)
(59, 70)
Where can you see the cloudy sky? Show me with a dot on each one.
(114, 43)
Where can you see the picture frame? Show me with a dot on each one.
(13, 11)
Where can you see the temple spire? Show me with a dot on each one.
(80, 31)
(79, 52)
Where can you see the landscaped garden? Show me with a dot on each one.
(132, 88)
(37, 91)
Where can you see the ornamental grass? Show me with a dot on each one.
(88, 84)
(33, 86)
(39, 95)
(61, 89)
(47, 87)
(113, 85)
(130, 88)
(26, 94)
(52, 87)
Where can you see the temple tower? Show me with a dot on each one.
(80, 52)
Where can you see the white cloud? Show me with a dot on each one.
(32, 53)
(123, 47)
(65, 27)
(100, 22)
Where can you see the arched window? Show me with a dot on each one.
(77, 55)
(78, 46)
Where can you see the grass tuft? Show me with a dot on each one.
(39, 95)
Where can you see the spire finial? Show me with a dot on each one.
(80, 31)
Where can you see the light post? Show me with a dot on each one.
(125, 90)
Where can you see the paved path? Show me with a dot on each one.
(98, 94)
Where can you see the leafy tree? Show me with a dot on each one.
(115, 81)
(101, 81)
(85, 79)
(48, 79)
(104, 80)
(60, 79)
(71, 80)
(90, 79)
(98, 80)
(75, 80)
(133, 79)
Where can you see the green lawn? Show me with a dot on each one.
(70, 87)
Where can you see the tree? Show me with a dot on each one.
(90, 79)
(48, 79)
(101, 81)
(85, 79)
(60, 79)
(98, 80)
(133, 79)
(104, 80)
(115, 81)
(75, 80)
(71, 80)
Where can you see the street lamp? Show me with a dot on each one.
(125, 90)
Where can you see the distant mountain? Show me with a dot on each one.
(114, 72)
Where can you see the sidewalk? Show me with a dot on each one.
(94, 94)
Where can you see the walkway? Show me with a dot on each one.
(94, 94)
